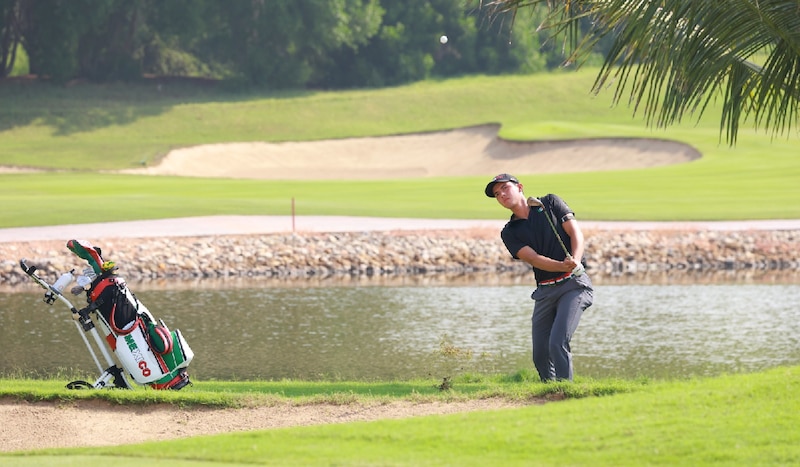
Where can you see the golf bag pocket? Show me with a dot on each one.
(160, 338)
(176, 361)
(134, 353)
(117, 305)
(158, 335)
(181, 355)
(145, 364)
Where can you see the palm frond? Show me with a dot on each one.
(675, 57)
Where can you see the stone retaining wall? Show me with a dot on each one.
(404, 253)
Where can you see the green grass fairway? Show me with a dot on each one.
(731, 420)
(86, 129)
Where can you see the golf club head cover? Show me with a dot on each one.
(84, 250)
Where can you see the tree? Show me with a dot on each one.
(280, 43)
(10, 34)
(50, 35)
(407, 46)
(675, 57)
(111, 39)
(401, 50)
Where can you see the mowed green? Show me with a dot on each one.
(85, 130)
(747, 419)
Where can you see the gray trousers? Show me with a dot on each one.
(556, 314)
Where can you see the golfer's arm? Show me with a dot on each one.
(530, 256)
(576, 238)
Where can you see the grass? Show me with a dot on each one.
(238, 394)
(85, 129)
(744, 419)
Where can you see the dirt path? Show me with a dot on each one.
(27, 426)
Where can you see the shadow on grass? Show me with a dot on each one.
(82, 107)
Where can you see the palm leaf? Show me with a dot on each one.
(674, 58)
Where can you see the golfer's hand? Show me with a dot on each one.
(569, 264)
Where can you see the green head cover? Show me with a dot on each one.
(91, 254)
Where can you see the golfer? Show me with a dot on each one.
(563, 289)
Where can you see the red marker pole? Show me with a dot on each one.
(292, 214)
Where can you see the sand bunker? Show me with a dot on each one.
(460, 152)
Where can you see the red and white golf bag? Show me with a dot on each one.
(145, 349)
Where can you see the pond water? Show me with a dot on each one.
(370, 331)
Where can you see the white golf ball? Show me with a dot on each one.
(443, 39)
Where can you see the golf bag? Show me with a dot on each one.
(144, 348)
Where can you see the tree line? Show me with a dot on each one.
(272, 44)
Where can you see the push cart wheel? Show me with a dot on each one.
(79, 385)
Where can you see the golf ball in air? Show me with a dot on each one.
(443, 39)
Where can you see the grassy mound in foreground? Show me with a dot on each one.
(729, 420)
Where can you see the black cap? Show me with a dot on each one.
(502, 178)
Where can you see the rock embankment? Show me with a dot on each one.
(405, 253)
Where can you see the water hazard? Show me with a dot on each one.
(372, 330)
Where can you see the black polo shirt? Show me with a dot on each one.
(536, 233)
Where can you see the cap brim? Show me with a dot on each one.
(489, 189)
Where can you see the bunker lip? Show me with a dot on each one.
(60, 424)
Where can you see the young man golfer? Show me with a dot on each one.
(543, 232)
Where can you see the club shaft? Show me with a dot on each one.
(536, 202)
(560, 242)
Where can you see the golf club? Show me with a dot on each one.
(536, 202)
